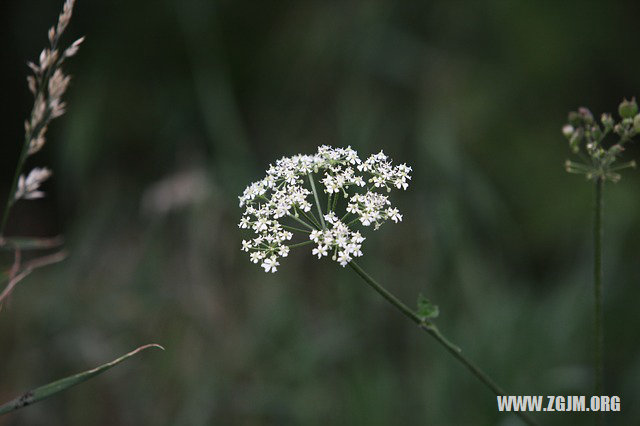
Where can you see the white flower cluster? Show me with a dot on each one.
(282, 203)
(337, 238)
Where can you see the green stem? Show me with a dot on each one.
(623, 166)
(304, 243)
(293, 228)
(311, 218)
(335, 201)
(302, 222)
(353, 221)
(315, 195)
(24, 153)
(435, 333)
(597, 281)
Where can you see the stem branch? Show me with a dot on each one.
(300, 221)
(14, 184)
(304, 243)
(293, 228)
(315, 195)
(430, 328)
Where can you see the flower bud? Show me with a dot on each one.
(618, 129)
(627, 109)
(574, 141)
(616, 149)
(636, 123)
(596, 132)
(607, 121)
(586, 115)
(574, 118)
(567, 130)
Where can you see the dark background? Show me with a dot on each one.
(175, 106)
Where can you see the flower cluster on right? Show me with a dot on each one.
(288, 201)
(587, 136)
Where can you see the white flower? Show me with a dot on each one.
(256, 256)
(567, 130)
(315, 236)
(343, 258)
(331, 217)
(394, 215)
(283, 251)
(270, 264)
(283, 202)
(320, 250)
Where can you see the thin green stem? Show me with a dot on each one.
(293, 228)
(315, 195)
(14, 185)
(597, 281)
(302, 222)
(623, 166)
(304, 243)
(335, 201)
(579, 166)
(311, 218)
(431, 328)
(353, 221)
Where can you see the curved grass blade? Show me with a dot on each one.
(53, 388)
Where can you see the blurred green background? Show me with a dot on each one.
(175, 106)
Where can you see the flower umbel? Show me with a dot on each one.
(282, 203)
(586, 136)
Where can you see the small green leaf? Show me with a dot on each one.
(53, 388)
(426, 309)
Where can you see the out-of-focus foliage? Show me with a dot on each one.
(175, 106)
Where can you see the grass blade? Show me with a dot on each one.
(29, 243)
(53, 388)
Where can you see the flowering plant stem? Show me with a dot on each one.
(431, 328)
(598, 331)
(14, 185)
(315, 195)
